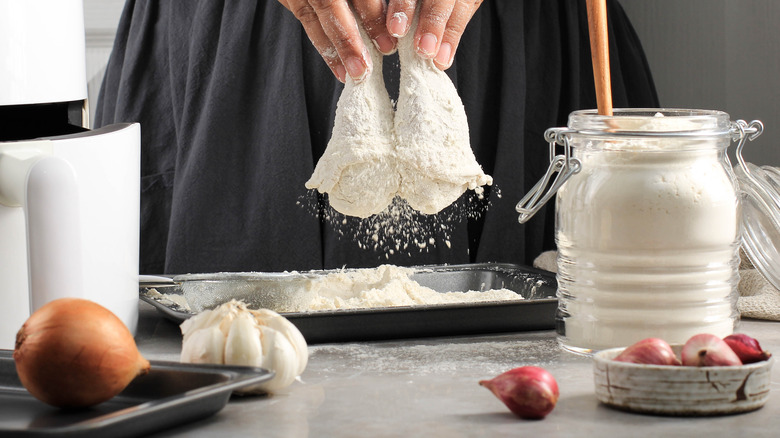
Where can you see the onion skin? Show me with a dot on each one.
(746, 348)
(74, 353)
(707, 350)
(529, 392)
(650, 351)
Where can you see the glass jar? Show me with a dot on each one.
(647, 226)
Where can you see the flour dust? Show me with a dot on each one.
(400, 229)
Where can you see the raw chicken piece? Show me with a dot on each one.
(358, 170)
(436, 162)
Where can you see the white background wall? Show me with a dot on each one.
(709, 54)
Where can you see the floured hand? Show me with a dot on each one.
(333, 30)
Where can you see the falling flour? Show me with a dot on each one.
(400, 229)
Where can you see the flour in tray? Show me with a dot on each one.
(366, 288)
(174, 301)
(389, 286)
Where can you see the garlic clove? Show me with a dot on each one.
(206, 345)
(279, 356)
(289, 330)
(222, 317)
(225, 315)
(243, 345)
(195, 323)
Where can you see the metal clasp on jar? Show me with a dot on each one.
(564, 165)
(743, 131)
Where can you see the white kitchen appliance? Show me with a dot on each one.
(69, 196)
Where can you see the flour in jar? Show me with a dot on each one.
(648, 234)
(389, 286)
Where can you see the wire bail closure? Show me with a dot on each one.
(564, 165)
(743, 131)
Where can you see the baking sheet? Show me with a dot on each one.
(169, 395)
(535, 312)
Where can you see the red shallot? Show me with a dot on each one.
(707, 350)
(75, 353)
(651, 351)
(529, 392)
(746, 348)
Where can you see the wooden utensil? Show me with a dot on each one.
(599, 49)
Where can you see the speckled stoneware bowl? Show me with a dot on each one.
(680, 390)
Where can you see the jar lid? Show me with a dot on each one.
(759, 189)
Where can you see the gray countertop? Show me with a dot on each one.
(428, 387)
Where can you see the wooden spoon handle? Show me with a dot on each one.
(599, 50)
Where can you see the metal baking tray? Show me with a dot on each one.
(170, 394)
(535, 312)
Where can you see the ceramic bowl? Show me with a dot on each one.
(680, 390)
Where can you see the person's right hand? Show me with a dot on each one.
(333, 30)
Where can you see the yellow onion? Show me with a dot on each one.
(75, 353)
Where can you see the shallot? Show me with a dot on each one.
(529, 392)
(746, 348)
(76, 353)
(651, 351)
(706, 350)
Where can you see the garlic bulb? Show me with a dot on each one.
(234, 335)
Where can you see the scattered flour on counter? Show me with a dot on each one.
(421, 357)
(389, 286)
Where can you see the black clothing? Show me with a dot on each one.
(236, 107)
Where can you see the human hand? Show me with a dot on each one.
(441, 25)
(333, 30)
